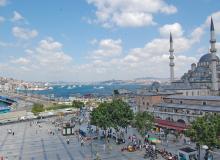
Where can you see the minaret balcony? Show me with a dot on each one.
(171, 57)
(172, 64)
(171, 50)
(213, 50)
(213, 41)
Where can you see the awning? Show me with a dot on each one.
(170, 125)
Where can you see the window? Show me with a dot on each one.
(181, 102)
(186, 93)
(203, 103)
(192, 93)
(171, 101)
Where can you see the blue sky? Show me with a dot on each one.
(93, 40)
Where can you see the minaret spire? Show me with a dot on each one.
(171, 57)
(171, 38)
(212, 25)
(214, 59)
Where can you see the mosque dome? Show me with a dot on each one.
(207, 58)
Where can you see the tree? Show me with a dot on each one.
(37, 108)
(114, 114)
(121, 113)
(77, 104)
(206, 130)
(144, 121)
(100, 116)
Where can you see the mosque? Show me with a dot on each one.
(203, 79)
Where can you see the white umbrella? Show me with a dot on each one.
(205, 147)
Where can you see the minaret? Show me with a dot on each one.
(214, 59)
(171, 50)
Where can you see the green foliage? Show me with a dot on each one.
(37, 108)
(206, 130)
(77, 104)
(115, 114)
(144, 121)
(59, 106)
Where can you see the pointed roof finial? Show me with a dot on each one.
(171, 38)
(212, 25)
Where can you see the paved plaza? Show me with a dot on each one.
(27, 144)
(36, 143)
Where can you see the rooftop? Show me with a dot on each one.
(205, 98)
(207, 58)
(157, 93)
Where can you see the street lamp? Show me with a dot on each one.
(90, 131)
(198, 144)
(198, 149)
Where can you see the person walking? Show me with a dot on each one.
(82, 142)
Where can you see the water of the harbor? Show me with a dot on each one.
(80, 90)
(4, 107)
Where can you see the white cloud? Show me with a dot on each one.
(21, 61)
(175, 29)
(2, 19)
(47, 61)
(3, 2)
(107, 48)
(132, 19)
(17, 16)
(47, 54)
(197, 34)
(24, 33)
(129, 13)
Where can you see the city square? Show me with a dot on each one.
(41, 139)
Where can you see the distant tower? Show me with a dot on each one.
(171, 50)
(214, 59)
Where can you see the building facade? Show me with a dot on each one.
(147, 101)
(185, 109)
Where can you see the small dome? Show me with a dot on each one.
(207, 58)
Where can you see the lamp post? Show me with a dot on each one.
(198, 149)
(198, 144)
(90, 131)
